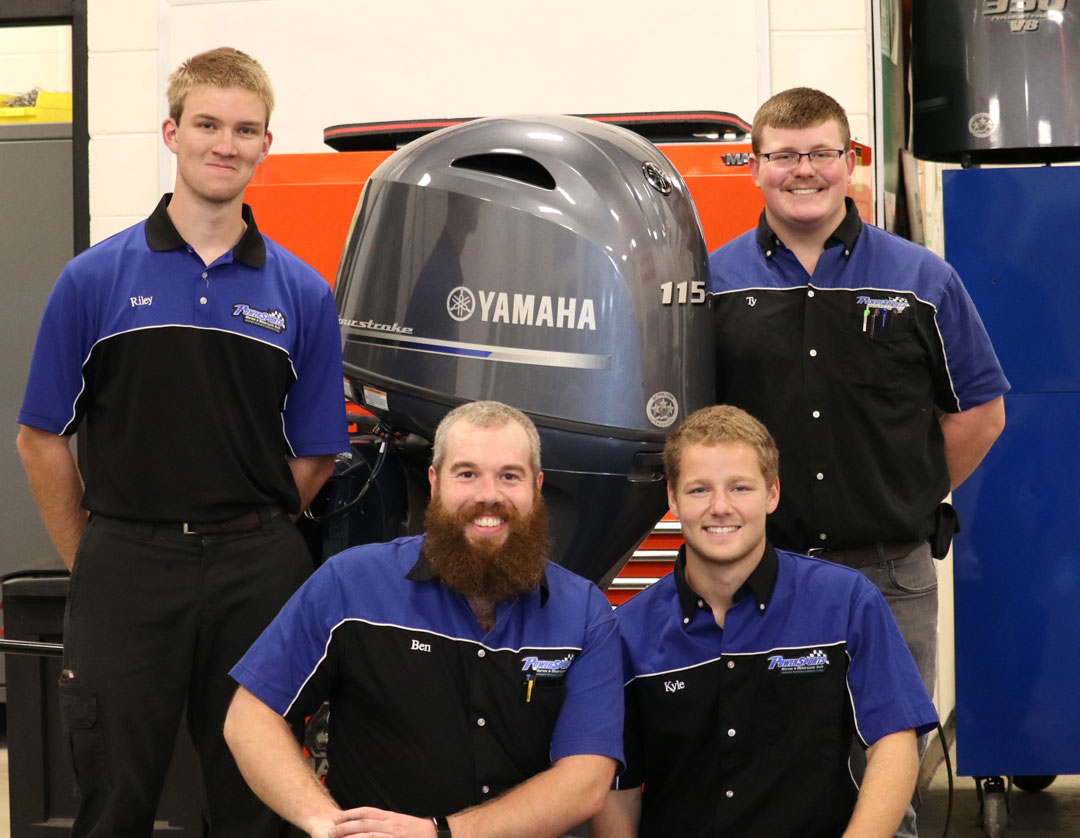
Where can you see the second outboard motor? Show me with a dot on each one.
(553, 263)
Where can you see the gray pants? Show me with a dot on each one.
(909, 585)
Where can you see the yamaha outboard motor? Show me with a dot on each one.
(553, 263)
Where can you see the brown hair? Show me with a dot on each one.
(799, 107)
(221, 67)
(486, 414)
(719, 424)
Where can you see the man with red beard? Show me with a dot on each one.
(475, 688)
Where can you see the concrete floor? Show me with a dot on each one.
(1053, 812)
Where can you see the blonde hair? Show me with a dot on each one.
(799, 107)
(486, 414)
(720, 424)
(221, 67)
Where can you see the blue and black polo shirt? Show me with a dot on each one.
(850, 370)
(192, 383)
(745, 731)
(428, 714)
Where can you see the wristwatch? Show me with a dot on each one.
(442, 828)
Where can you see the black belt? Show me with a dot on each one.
(251, 521)
(857, 557)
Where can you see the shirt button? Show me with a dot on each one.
(202, 300)
(685, 620)
(820, 476)
(701, 603)
(731, 731)
(810, 293)
(813, 353)
(729, 793)
(816, 414)
(481, 722)
(204, 274)
(761, 606)
(731, 664)
(480, 653)
(485, 789)
(822, 536)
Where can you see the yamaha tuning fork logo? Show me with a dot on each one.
(656, 177)
(461, 303)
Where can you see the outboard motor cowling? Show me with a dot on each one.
(553, 263)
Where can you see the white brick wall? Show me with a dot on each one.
(124, 98)
(825, 44)
(123, 174)
(122, 25)
(819, 14)
(124, 112)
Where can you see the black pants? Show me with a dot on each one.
(155, 619)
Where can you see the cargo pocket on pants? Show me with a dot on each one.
(79, 717)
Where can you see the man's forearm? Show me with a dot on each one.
(620, 816)
(547, 805)
(57, 486)
(274, 767)
(309, 474)
(892, 766)
(969, 434)
(544, 806)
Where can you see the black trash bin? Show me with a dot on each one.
(40, 780)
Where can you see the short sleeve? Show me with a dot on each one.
(55, 384)
(973, 371)
(315, 406)
(591, 718)
(887, 693)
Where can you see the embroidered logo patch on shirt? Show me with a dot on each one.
(272, 320)
(547, 669)
(810, 664)
(538, 670)
(876, 311)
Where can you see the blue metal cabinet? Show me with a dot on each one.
(1014, 236)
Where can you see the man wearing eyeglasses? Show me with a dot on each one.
(867, 360)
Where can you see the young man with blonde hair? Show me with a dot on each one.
(475, 688)
(206, 363)
(749, 670)
(864, 355)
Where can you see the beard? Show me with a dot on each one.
(493, 572)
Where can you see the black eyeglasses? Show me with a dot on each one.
(790, 159)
